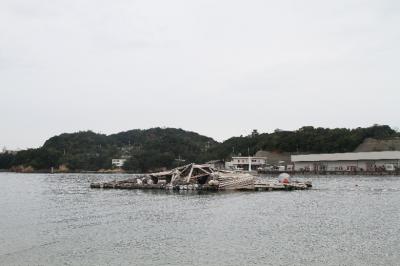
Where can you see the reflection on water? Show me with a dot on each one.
(58, 219)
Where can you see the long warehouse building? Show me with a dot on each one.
(350, 161)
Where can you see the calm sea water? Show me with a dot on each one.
(59, 220)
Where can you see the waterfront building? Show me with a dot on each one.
(216, 164)
(275, 158)
(350, 161)
(246, 163)
(118, 162)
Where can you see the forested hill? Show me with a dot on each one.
(304, 140)
(155, 148)
(147, 149)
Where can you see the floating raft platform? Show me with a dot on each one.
(202, 178)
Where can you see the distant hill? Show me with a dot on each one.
(370, 144)
(157, 148)
(304, 140)
(144, 149)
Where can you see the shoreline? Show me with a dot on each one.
(343, 173)
(292, 173)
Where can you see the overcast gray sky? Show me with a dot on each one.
(220, 68)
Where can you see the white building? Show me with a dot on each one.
(351, 161)
(243, 163)
(118, 162)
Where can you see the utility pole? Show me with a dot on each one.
(180, 160)
(248, 152)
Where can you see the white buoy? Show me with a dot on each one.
(284, 178)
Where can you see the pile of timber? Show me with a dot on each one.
(201, 177)
(238, 181)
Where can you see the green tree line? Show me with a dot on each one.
(156, 148)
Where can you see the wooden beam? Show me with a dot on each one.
(190, 174)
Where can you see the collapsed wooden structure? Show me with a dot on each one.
(201, 177)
